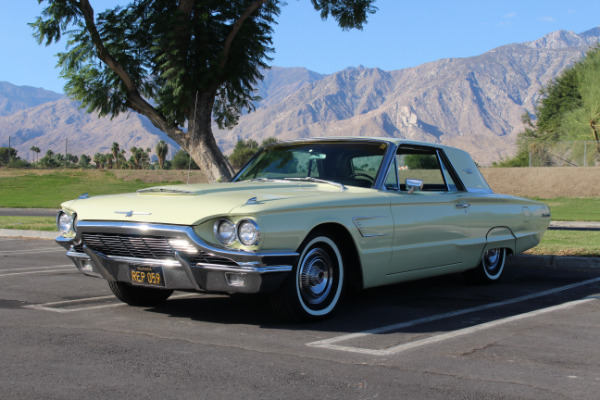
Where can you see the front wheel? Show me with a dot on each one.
(490, 267)
(139, 296)
(314, 288)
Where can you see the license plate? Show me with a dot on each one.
(147, 275)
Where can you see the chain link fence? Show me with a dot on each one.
(565, 154)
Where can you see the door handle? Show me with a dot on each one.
(462, 205)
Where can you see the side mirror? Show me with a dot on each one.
(414, 184)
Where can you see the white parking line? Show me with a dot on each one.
(329, 343)
(55, 306)
(36, 268)
(49, 306)
(49, 270)
(32, 251)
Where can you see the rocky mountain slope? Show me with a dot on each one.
(474, 103)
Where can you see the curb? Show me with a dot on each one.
(554, 262)
(28, 234)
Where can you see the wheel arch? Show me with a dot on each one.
(343, 238)
(500, 237)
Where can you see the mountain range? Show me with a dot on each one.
(474, 103)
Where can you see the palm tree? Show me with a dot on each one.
(98, 159)
(36, 150)
(161, 152)
(135, 154)
(115, 152)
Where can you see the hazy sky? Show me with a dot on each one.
(401, 34)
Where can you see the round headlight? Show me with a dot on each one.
(64, 223)
(248, 232)
(224, 231)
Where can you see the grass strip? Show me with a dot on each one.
(568, 243)
(574, 209)
(28, 223)
(49, 190)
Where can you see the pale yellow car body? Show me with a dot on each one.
(397, 236)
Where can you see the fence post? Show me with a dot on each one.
(585, 154)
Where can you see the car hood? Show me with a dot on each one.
(191, 204)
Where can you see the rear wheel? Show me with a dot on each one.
(490, 267)
(137, 295)
(314, 288)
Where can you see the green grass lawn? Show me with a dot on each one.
(28, 223)
(48, 191)
(574, 209)
(568, 243)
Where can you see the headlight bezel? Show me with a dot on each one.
(217, 231)
(66, 223)
(255, 239)
(245, 232)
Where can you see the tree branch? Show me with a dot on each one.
(134, 99)
(237, 25)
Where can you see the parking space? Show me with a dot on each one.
(532, 335)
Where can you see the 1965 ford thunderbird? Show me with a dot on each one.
(304, 220)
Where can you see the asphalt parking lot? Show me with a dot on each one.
(64, 336)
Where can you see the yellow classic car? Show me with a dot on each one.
(304, 221)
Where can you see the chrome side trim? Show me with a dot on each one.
(362, 229)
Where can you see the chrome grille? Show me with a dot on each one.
(147, 247)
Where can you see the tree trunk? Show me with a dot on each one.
(200, 142)
(595, 128)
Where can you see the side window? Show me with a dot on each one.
(425, 165)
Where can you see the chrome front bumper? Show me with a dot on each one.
(215, 270)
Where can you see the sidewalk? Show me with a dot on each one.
(574, 225)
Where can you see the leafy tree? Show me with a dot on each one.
(583, 122)
(7, 154)
(245, 149)
(161, 152)
(181, 160)
(84, 161)
(71, 159)
(569, 110)
(242, 152)
(179, 63)
(99, 160)
(51, 160)
(559, 97)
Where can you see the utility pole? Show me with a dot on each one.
(8, 161)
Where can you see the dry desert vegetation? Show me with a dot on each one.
(545, 182)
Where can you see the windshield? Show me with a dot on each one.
(353, 163)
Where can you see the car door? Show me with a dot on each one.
(432, 232)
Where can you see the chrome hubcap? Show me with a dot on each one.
(315, 277)
(491, 260)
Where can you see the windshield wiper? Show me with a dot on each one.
(316, 180)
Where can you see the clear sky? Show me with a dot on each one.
(403, 33)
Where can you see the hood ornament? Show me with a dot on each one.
(132, 213)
